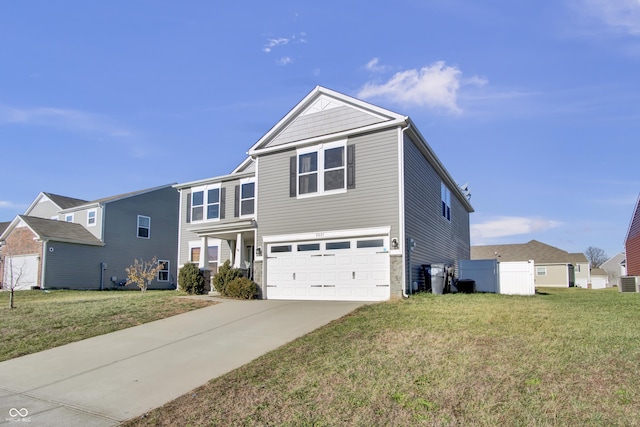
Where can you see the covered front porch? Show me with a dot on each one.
(234, 242)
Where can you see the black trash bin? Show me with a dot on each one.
(466, 286)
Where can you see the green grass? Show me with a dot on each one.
(42, 320)
(567, 357)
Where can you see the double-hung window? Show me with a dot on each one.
(163, 273)
(247, 198)
(322, 169)
(91, 217)
(144, 226)
(445, 197)
(205, 203)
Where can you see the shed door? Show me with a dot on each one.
(354, 269)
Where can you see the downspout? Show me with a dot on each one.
(402, 210)
(43, 263)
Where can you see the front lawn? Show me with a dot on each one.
(42, 320)
(564, 357)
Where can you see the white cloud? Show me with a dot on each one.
(5, 204)
(618, 15)
(285, 60)
(281, 41)
(374, 65)
(434, 86)
(73, 120)
(510, 226)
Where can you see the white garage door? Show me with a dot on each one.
(24, 269)
(346, 270)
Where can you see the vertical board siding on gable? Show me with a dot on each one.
(324, 123)
(373, 203)
(437, 240)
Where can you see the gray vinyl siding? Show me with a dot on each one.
(122, 245)
(373, 203)
(437, 239)
(80, 217)
(46, 209)
(324, 123)
(187, 236)
(73, 266)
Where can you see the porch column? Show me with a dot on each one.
(238, 259)
(203, 262)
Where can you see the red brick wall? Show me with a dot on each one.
(632, 247)
(21, 242)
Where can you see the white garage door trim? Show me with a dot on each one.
(25, 271)
(342, 268)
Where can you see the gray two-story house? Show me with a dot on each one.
(340, 200)
(66, 243)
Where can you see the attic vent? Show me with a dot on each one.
(321, 104)
(629, 284)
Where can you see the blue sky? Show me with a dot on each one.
(535, 104)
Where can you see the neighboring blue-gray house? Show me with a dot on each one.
(66, 243)
(340, 200)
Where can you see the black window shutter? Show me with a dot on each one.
(236, 209)
(188, 207)
(222, 202)
(351, 166)
(293, 176)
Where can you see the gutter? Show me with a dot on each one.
(402, 238)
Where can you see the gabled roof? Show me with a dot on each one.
(3, 226)
(634, 225)
(62, 202)
(58, 231)
(116, 198)
(342, 116)
(540, 252)
(598, 272)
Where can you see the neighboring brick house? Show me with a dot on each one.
(553, 266)
(632, 243)
(66, 243)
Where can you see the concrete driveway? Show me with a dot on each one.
(105, 380)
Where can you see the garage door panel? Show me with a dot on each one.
(338, 270)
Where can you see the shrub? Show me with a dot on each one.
(241, 288)
(226, 273)
(191, 279)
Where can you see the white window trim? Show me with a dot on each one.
(198, 244)
(168, 270)
(68, 215)
(445, 197)
(95, 217)
(255, 187)
(320, 149)
(541, 271)
(138, 227)
(205, 200)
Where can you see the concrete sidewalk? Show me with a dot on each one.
(105, 380)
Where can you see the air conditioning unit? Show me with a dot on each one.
(629, 284)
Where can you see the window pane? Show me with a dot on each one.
(246, 207)
(308, 183)
(197, 198)
(377, 243)
(143, 221)
(195, 254)
(213, 253)
(334, 180)
(284, 248)
(334, 158)
(143, 232)
(309, 247)
(196, 214)
(248, 190)
(308, 162)
(213, 211)
(338, 245)
(213, 196)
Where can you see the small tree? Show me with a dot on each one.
(596, 256)
(191, 279)
(13, 276)
(142, 273)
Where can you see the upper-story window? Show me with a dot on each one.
(68, 217)
(445, 196)
(91, 217)
(205, 203)
(247, 198)
(144, 226)
(322, 169)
